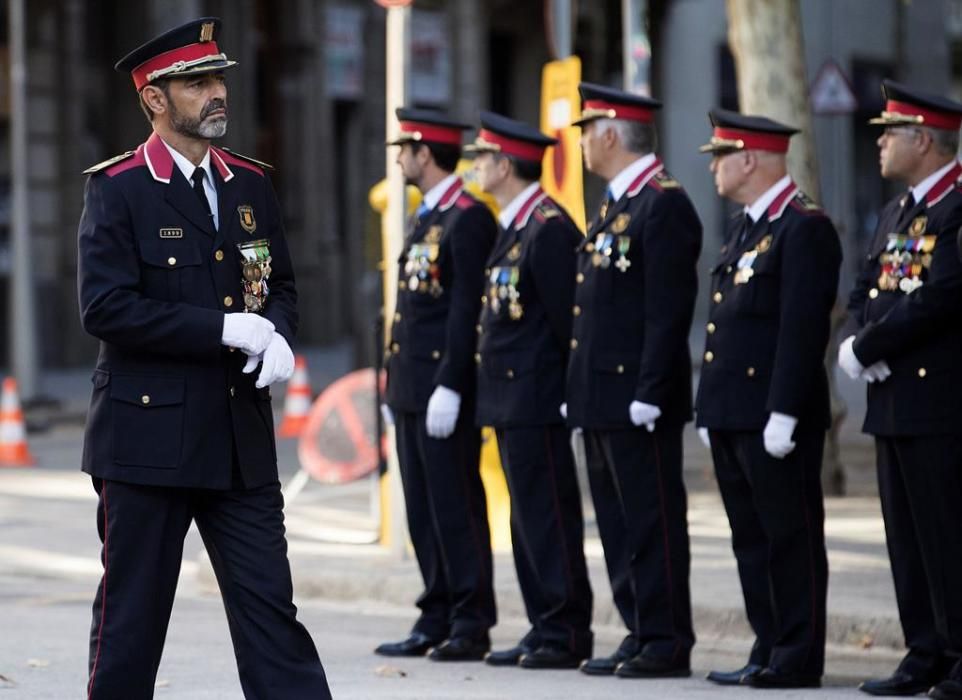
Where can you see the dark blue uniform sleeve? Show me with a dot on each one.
(112, 307)
(672, 242)
(471, 239)
(281, 309)
(553, 266)
(810, 262)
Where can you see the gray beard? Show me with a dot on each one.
(197, 128)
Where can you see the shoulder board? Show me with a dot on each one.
(546, 210)
(665, 181)
(804, 203)
(262, 164)
(103, 165)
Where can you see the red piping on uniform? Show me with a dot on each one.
(623, 111)
(560, 521)
(643, 177)
(931, 117)
(940, 188)
(777, 143)
(525, 211)
(103, 596)
(664, 532)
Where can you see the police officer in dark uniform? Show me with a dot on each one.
(431, 393)
(629, 379)
(904, 338)
(763, 396)
(522, 351)
(176, 241)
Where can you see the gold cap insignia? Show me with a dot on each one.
(246, 214)
(207, 31)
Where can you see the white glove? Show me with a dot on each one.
(387, 415)
(642, 413)
(704, 437)
(252, 362)
(278, 363)
(563, 410)
(443, 407)
(878, 372)
(248, 332)
(847, 360)
(778, 434)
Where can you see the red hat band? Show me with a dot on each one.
(928, 117)
(432, 132)
(185, 55)
(754, 140)
(620, 111)
(512, 147)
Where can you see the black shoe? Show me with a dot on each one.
(507, 657)
(461, 649)
(770, 678)
(949, 689)
(551, 657)
(899, 683)
(642, 666)
(415, 645)
(605, 665)
(733, 677)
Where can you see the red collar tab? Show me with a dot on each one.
(192, 53)
(451, 195)
(508, 146)
(777, 207)
(521, 218)
(613, 110)
(923, 115)
(643, 177)
(754, 140)
(159, 160)
(944, 185)
(420, 131)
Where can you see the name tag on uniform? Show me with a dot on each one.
(171, 233)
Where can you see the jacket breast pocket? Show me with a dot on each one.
(147, 420)
(759, 295)
(171, 272)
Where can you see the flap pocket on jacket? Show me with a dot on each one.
(171, 257)
(618, 362)
(147, 391)
(508, 365)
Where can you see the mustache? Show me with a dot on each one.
(213, 106)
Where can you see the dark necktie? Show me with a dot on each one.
(198, 179)
(606, 204)
(746, 228)
(908, 205)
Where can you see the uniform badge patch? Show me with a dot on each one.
(246, 214)
(171, 233)
(917, 227)
(515, 252)
(764, 244)
(620, 223)
(433, 235)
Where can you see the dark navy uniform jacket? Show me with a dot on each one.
(170, 406)
(908, 312)
(441, 275)
(634, 297)
(772, 296)
(526, 317)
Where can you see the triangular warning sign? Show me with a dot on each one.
(831, 92)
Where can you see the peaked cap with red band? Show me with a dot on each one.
(510, 137)
(601, 102)
(427, 125)
(744, 132)
(190, 49)
(905, 106)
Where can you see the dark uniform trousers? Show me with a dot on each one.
(776, 513)
(448, 524)
(640, 505)
(915, 415)
(524, 331)
(142, 529)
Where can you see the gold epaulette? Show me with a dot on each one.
(261, 163)
(107, 163)
(806, 201)
(666, 181)
(548, 211)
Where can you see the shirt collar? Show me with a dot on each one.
(759, 207)
(922, 189)
(506, 217)
(187, 168)
(620, 182)
(433, 195)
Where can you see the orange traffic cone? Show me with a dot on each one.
(297, 402)
(13, 435)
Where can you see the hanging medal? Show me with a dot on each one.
(624, 244)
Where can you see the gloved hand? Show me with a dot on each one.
(278, 365)
(443, 407)
(704, 437)
(778, 434)
(878, 372)
(387, 415)
(248, 332)
(642, 413)
(563, 410)
(252, 362)
(847, 360)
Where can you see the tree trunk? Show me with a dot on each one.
(765, 37)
